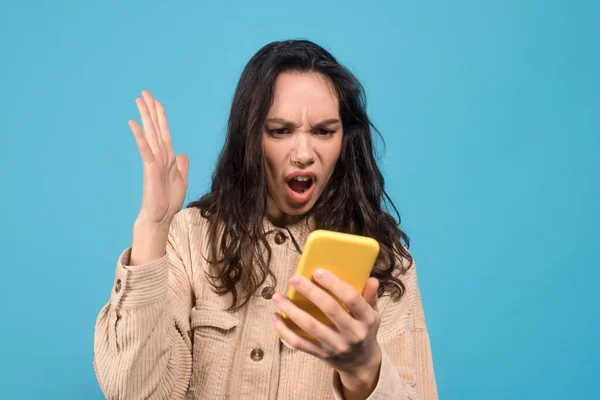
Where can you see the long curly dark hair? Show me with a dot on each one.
(354, 200)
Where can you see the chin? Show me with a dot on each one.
(296, 210)
(283, 204)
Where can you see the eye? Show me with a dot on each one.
(324, 132)
(278, 131)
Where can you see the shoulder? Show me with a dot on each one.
(190, 215)
(188, 225)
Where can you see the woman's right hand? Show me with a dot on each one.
(165, 176)
(165, 182)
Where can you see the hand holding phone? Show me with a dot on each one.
(349, 257)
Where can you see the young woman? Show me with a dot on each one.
(195, 311)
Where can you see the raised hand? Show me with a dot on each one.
(165, 181)
(165, 175)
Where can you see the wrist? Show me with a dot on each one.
(360, 382)
(149, 242)
(150, 233)
(144, 224)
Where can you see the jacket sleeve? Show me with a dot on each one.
(142, 347)
(406, 370)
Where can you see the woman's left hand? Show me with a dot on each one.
(350, 345)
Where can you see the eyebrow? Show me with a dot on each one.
(285, 122)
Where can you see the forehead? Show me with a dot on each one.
(299, 96)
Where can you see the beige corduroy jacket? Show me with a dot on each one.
(164, 334)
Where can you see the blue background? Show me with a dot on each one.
(490, 111)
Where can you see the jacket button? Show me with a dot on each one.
(280, 238)
(268, 292)
(256, 354)
(118, 286)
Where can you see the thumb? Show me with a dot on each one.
(183, 164)
(370, 292)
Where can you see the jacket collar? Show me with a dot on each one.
(297, 231)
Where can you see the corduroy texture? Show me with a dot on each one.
(165, 335)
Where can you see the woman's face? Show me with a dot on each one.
(302, 140)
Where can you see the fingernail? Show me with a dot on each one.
(295, 280)
(276, 298)
(320, 274)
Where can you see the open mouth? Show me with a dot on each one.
(300, 184)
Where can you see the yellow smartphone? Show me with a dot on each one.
(349, 257)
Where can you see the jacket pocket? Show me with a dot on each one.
(214, 341)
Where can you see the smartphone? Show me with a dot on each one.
(349, 257)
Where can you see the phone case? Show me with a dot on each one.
(349, 257)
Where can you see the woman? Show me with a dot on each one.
(195, 309)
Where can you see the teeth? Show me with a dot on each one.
(302, 178)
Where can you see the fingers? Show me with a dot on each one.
(149, 131)
(294, 340)
(325, 302)
(370, 292)
(183, 164)
(306, 322)
(164, 129)
(142, 143)
(356, 303)
(149, 100)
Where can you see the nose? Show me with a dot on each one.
(303, 153)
